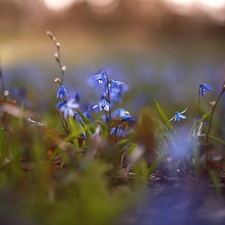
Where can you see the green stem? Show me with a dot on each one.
(198, 103)
(1, 77)
(213, 110)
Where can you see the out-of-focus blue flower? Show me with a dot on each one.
(61, 92)
(116, 93)
(128, 118)
(68, 108)
(87, 114)
(178, 116)
(103, 104)
(101, 77)
(114, 84)
(119, 113)
(204, 88)
(60, 104)
(76, 97)
(119, 131)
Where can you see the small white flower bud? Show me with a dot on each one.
(213, 103)
(56, 57)
(50, 34)
(58, 45)
(57, 81)
(6, 93)
(63, 68)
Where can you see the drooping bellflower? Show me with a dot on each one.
(204, 88)
(61, 92)
(178, 116)
(103, 104)
(119, 131)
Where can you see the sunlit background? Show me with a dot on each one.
(161, 48)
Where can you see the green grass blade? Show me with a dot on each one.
(163, 116)
(86, 121)
(217, 140)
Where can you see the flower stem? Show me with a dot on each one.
(1, 77)
(198, 103)
(108, 98)
(58, 58)
(213, 110)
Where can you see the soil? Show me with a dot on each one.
(179, 201)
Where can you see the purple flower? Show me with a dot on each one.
(178, 116)
(204, 88)
(103, 104)
(61, 92)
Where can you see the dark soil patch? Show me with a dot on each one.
(179, 201)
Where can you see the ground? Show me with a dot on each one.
(178, 201)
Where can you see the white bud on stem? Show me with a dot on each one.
(50, 34)
(63, 68)
(57, 81)
(56, 57)
(58, 45)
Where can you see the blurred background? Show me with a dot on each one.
(162, 49)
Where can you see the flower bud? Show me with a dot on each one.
(213, 103)
(63, 68)
(58, 45)
(50, 34)
(56, 57)
(6, 93)
(58, 81)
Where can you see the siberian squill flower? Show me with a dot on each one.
(114, 84)
(103, 104)
(119, 112)
(116, 93)
(203, 88)
(178, 116)
(87, 114)
(67, 108)
(101, 77)
(128, 118)
(119, 131)
(61, 92)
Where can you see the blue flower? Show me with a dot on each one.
(103, 104)
(119, 131)
(87, 114)
(101, 77)
(128, 118)
(178, 116)
(61, 92)
(204, 88)
(114, 84)
(116, 93)
(119, 112)
(60, 104)
(69, 108)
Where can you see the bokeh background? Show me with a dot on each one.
(162, 49)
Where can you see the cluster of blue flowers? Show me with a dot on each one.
(112, 91)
